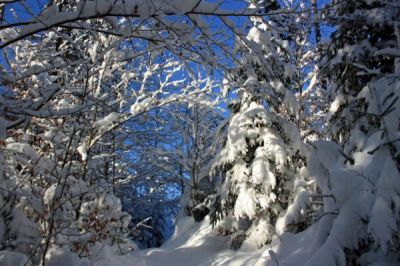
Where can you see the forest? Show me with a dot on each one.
(199, 132)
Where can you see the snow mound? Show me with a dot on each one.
(196, 244)
(192, 244)
(12, 258)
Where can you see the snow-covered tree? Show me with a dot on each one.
(262, 193)
(360, 174)
(201, 128)
(61, 171)
(308, 43)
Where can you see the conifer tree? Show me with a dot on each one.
(263, 193)
(362, 65)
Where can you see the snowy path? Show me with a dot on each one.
(184, 248)
(196, 244)
(193, 244)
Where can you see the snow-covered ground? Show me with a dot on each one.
(197, 244)
(192, 244)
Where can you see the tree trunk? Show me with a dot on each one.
(316, 21)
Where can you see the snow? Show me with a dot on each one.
(278, 86)
(11, 258)
(192, 244)
(336, 104)
(63, 257)
(50, 193)
(7, 34)
(107, 122)
(100, 8)
(383, 221)
(197, 244)
(141, 106)
(260, 169)
(83, 149)
(23, 148)
(294, 211)
(245, 203)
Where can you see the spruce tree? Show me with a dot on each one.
(262, 193)
(362, 178)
